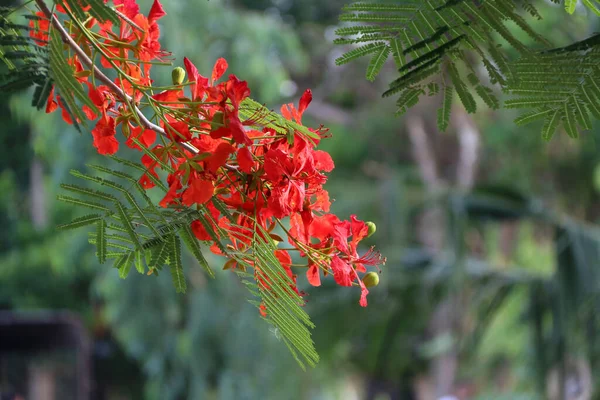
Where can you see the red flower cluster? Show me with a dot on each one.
(262, 175)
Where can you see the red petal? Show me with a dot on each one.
(363, 296)
(219, 69)
(156, 12)
(148, 137)
(170, 96)
(200, 191)
(146, 182)
(200, 231)
(106, 145)
(178, 131)
(220, 156)
(304, 101)
(323, 226)
(342, 271)
(51, 105)
(91, 115)
(191, 69)
(323, 161)
(244, 159)
(128, 7)
(313, 275)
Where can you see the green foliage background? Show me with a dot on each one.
(210, 343)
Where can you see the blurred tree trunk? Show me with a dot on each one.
(37, 195)
(432, 228)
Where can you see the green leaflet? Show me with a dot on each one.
(159, 254)
(569, 122)
(408, 99)
(563, 80)
(422, 35)
(591, 6)
(261, 117)
(570, 6)
(531, 116)
(443, 113)
(550, 125)
(83, 203)
(194, 246)
(26, 62)
(359, 52)
(123, 264)
(101, 242)
(146, 228)
(461, 89)
(81, 221)
(176, 265)
(66, 84)
(377, 62)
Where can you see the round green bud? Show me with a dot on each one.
(371, 279)
(372, 228)
(178, 75)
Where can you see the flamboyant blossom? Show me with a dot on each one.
(261, 172)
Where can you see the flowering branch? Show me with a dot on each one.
(234, 167)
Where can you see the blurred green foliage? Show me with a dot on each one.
(210, 343)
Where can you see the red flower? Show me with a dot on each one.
(178, 131)
(104, 136)
(129, 8)
(145, 136)
(218, 70)
(219, 157)
(198, 227)
(200, 83)
(174, 185)
(245, 160)
(236, 92)
(199, 191)
(39, 29)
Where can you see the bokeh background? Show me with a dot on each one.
(490, 290)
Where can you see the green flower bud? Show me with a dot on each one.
(178, 75)
(371, 279)
(372, 228)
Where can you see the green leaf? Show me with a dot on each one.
(443, 113)
(159, 254)
(396, 47)
(407, 99)
(379, 58)
(175, 264)
(487, 95)
(127, 224)
(531, 116)
(89, 192)
(194, 246)
(569, 122)
(570, 6)
(83, 203)
(550, 125)
(101, 241)
(582, 115)
(81, 221)
(592, 7)
(40, 96)
(359, 52)
(123, 264)
(463, 93)
(139, 262)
